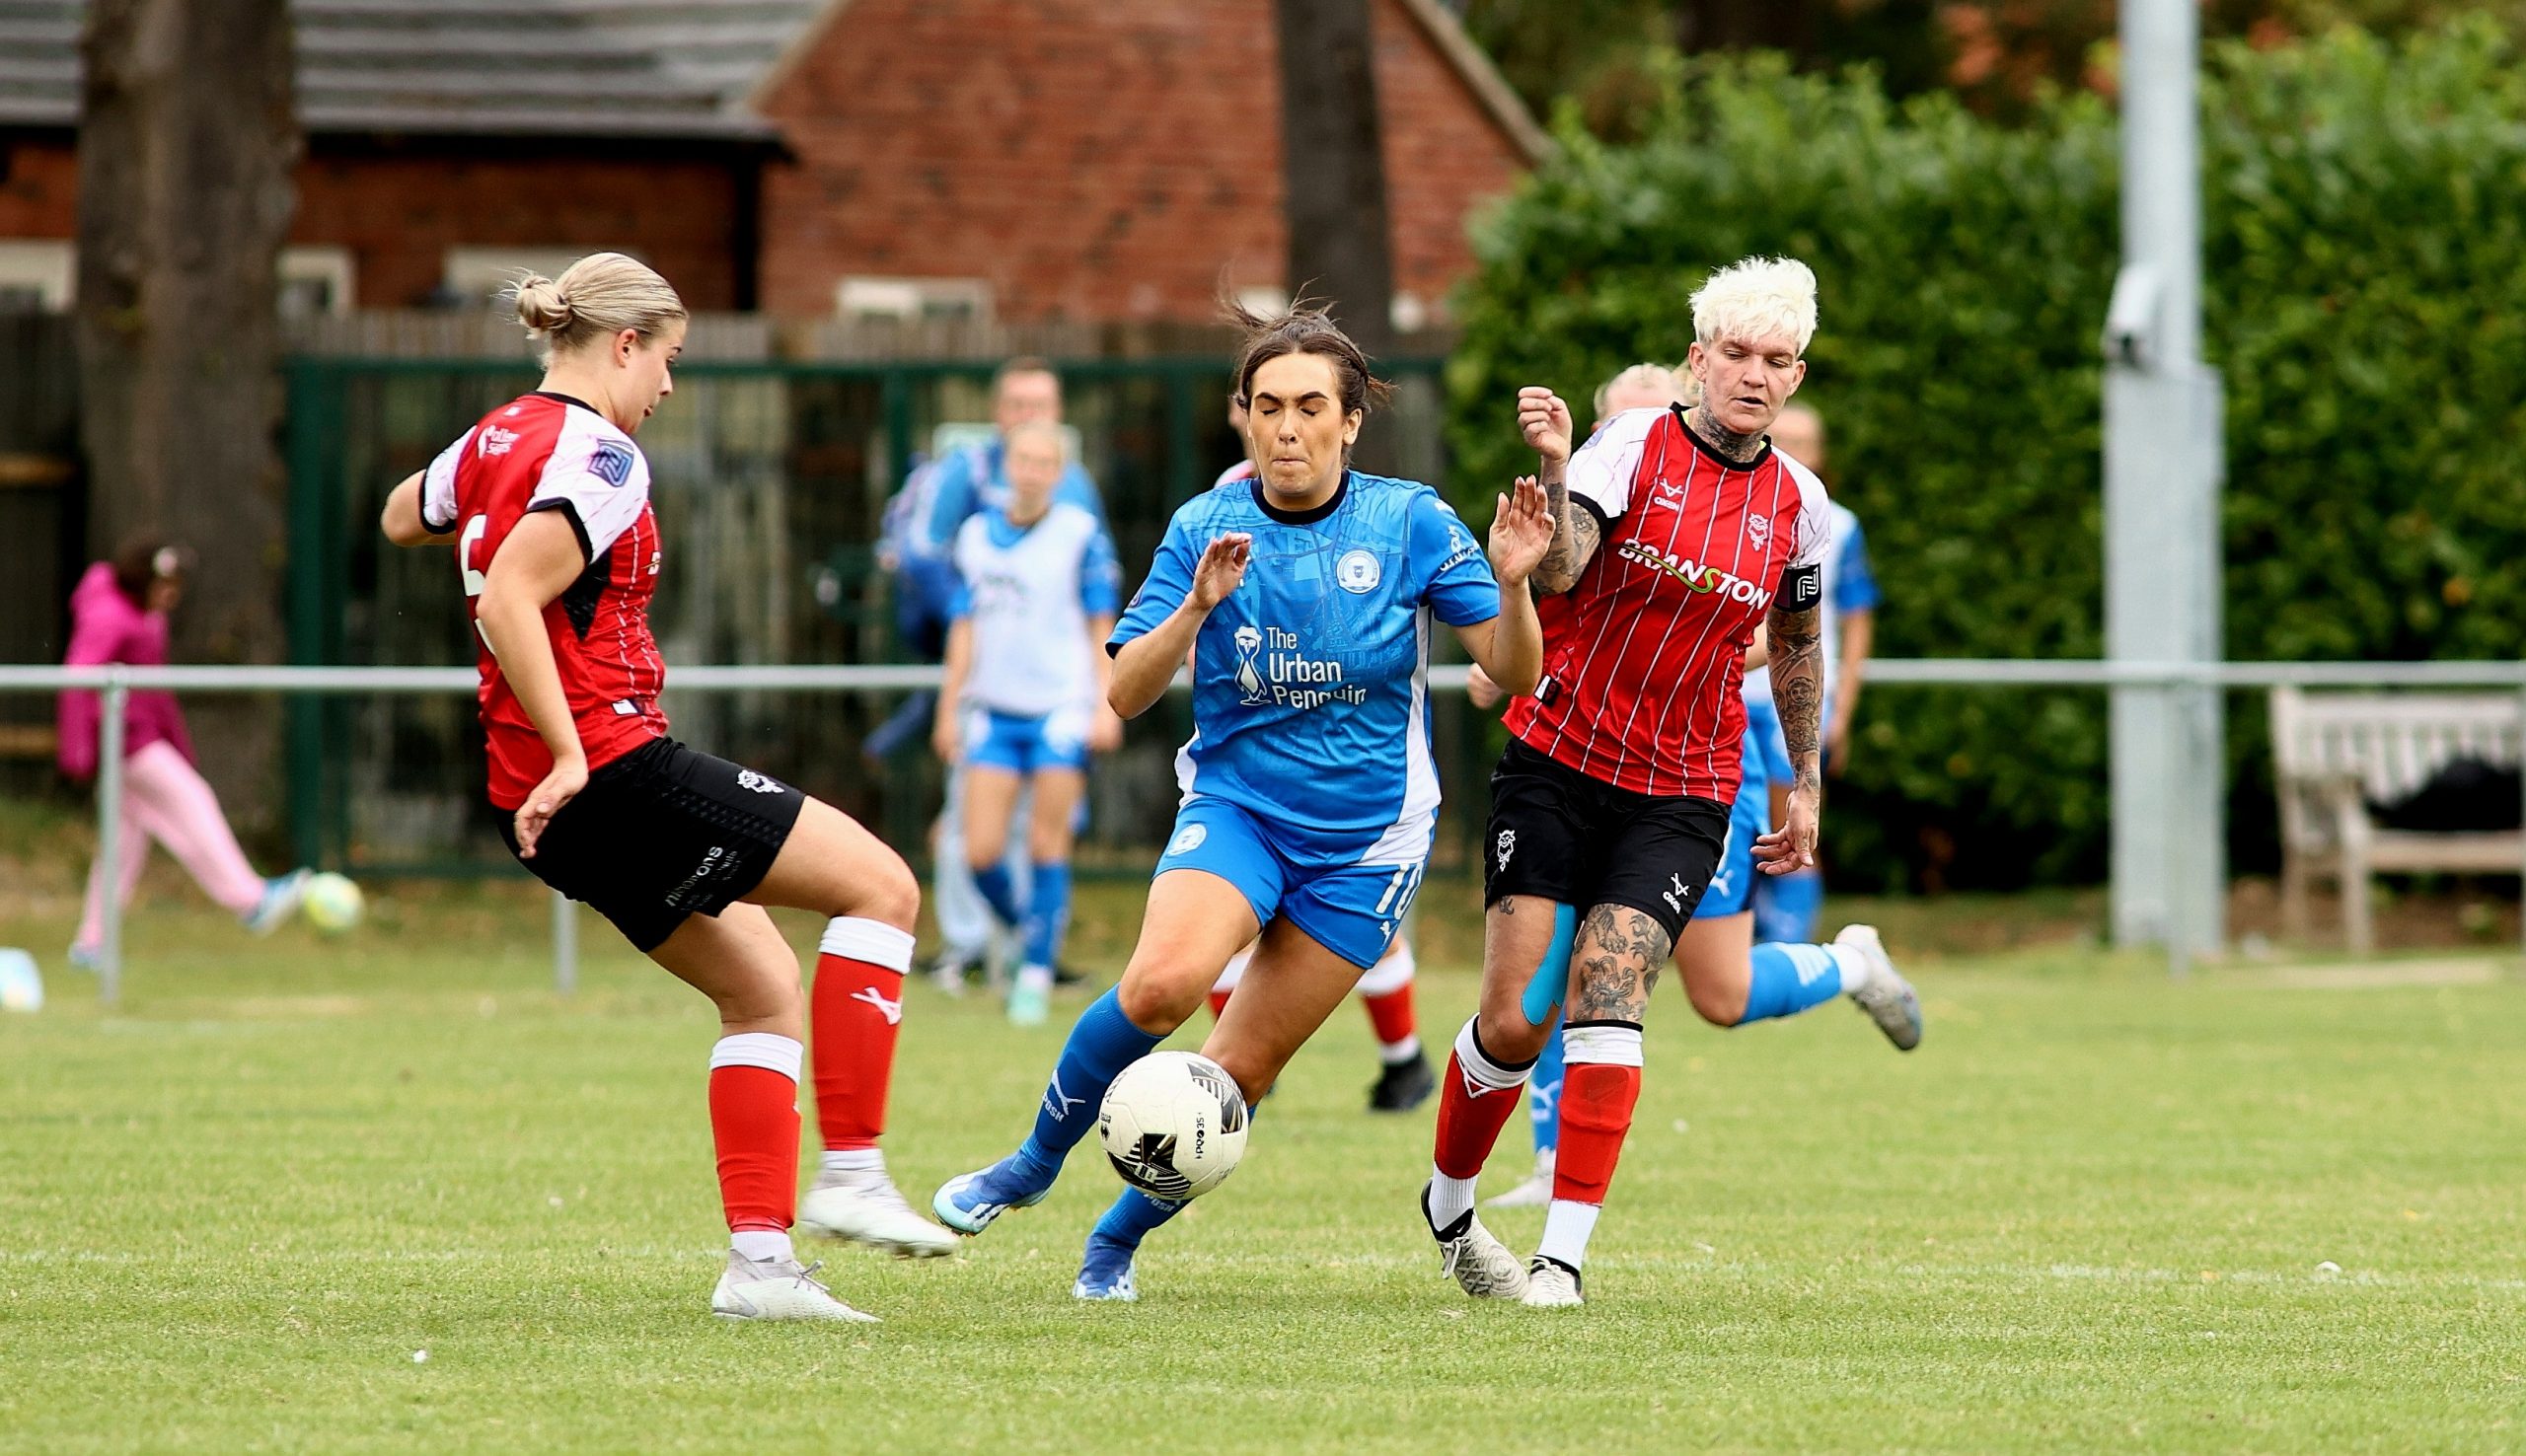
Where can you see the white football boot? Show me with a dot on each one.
(1887, 997)
(1534, 1193)
(1468, 1254)
(777, 1289)
(1551, 1284)
(865, 1209)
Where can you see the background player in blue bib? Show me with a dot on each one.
(1023, 698)
(1310, 798)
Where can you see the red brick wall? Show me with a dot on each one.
(38, 191)
(1093, 159)
(399, 214)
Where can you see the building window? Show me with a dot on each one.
(315, 281)
(476, 275)
(36, 276)
(39, 277)
(914, 300)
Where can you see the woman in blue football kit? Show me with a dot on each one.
(1023, 702)
(1311, 797)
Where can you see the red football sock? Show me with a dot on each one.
(858, 1010)
(1473, 1106)
(753, 1124)
(1391, 1015)
(1597, 1102)
(1219, 1003)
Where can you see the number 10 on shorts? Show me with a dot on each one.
(1398, 894)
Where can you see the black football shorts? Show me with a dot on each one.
(1561, 835)
(660, 834)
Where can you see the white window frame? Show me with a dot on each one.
(48, 265)
(912, 300)
(479, 273)
(327, 264)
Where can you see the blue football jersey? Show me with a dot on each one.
(1310, 692)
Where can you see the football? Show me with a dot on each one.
(332, 903)
(1173, 1125)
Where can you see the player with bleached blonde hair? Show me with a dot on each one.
(1678, 532)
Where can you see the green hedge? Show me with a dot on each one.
(2366, 246)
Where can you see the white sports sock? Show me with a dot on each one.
(1853, 965)
(857, 1160)
(763, 1245)
(1450, 1198)
(1395, 1053)
(1035, 978)
(1566, 1227)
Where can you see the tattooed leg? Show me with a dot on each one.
(1620, 953)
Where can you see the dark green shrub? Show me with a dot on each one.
(2366, 247)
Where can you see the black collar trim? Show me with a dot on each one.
(1683, 422)
(566, 399)
(1308, 517)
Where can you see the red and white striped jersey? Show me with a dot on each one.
(544, 452)
(1644, 656)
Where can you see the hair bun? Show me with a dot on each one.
(541, 303)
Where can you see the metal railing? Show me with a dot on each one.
(116, 684)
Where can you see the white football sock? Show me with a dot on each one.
(1450, 1198)
(861, 1160)
(1035, 978)
(1853, 965)
(1566, 1227)
(1395, 1053)
(763, 1245)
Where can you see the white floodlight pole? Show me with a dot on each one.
(2163, 465)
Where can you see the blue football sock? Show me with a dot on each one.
(1790, 979)
(1544, 1091)
(1049, 914)
(1133, 1217)
(1000, 892)
(1101, 1045)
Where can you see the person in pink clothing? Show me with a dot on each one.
(118, 614)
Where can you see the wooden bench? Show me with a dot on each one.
(2333, 753)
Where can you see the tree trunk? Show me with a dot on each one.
(188, 140)
(1333, 172)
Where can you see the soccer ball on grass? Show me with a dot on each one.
(332, 902)
(1173, 1125)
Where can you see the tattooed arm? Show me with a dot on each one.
(1798, 690)
(1546, 419)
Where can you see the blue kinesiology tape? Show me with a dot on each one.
(1552, 978)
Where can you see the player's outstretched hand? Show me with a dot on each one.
(1221, 568)
(1792, 846)
(558, 788)
(1546, 419)
(1478, 686)
(1104, 730)
(1520, 532)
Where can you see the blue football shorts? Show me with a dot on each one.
(1732, 885)
(1350, 909)
(1025, 745)
(1763, 728)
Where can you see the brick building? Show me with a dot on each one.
(1098, 160)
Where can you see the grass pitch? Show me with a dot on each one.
(2087, 1214)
